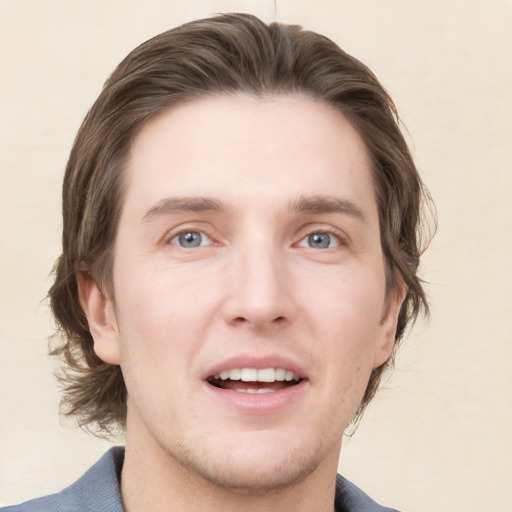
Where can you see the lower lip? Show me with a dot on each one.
(257, 403)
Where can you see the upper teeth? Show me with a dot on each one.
(255, 375)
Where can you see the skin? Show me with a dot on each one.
(254, 288)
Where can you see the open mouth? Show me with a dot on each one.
(252, 380)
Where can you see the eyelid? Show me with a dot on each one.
(304, 242)
(336, 233)
(189, 228)
(204, 238)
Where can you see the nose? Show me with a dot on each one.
(261, 290)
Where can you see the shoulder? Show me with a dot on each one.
(349, 498)
(97, 489)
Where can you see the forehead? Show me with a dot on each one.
(236, 147)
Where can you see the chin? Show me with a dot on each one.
(253, 478)
(256, 468)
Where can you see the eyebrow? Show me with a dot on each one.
(328, 204)
(303, 204)
(184, 204)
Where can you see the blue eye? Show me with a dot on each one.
(190, 239)
(320, 240)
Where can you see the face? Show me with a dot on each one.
(250, 301)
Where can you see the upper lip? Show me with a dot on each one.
(258, 362)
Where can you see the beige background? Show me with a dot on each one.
(439, 435)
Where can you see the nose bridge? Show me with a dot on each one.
(261, 291)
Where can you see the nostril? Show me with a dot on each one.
(257, 319)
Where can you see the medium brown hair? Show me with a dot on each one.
(224, 54)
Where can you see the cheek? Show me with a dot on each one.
(350, 300)
(157, 345)
(345, 312)
(163, 314)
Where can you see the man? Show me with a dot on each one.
(239, 262)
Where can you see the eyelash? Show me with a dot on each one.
(330, 233)
(186, 232)
(177, 239)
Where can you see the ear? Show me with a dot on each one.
(100, 315)
(388, 324)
